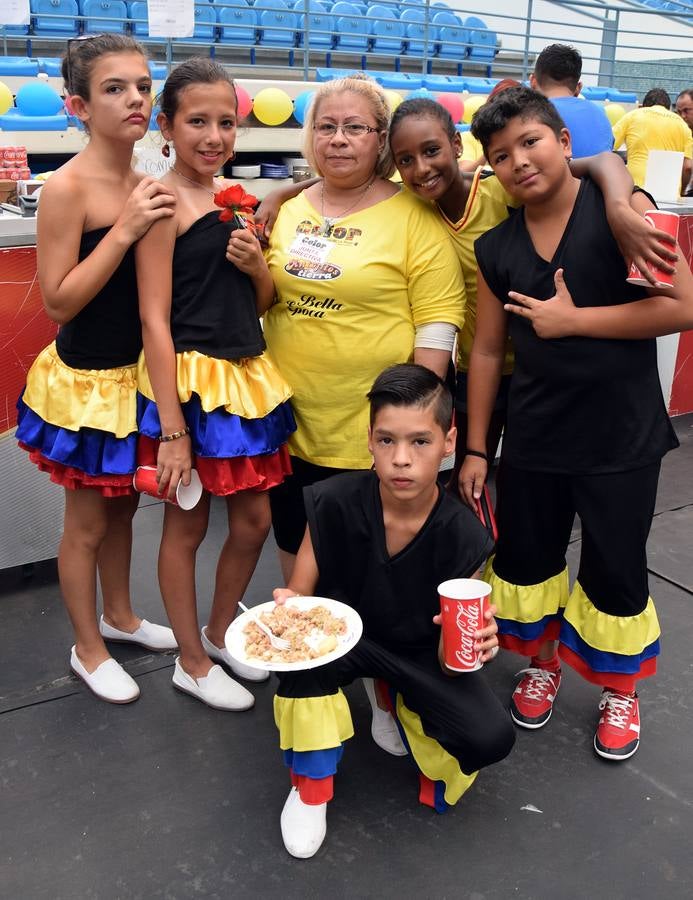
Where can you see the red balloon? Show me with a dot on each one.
(453, 104)
(245, 103)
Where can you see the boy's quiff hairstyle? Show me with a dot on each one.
(560, 63)
(409, 384)
(522, 103)
(423, 108)
(196, 70)
(81, 54)
(363, 86)
(657, 97)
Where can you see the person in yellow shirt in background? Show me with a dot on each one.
(653, 127)
(684, 108)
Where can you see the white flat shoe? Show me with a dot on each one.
(109, 681)
(383, 727)
(219, 654)
(148, 635)
(216, 689)
(303, 826)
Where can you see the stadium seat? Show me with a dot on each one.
(414, 31)
(482, 42)
(205, 25)
(277, 24)
(398, 81)
(47, 26)
(617, 96)
(452, 39)
(351, 32)
(386, 28)
(105, 16)
(13, 120)
(320, 24)
(50, 65)
(238, 25)
(594, 93)
(18, 65)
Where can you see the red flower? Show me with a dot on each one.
(235, 203)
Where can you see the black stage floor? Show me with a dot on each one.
(168, 798)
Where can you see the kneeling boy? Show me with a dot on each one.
(382, 541)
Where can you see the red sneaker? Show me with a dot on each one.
(531, 704)
(618, 732)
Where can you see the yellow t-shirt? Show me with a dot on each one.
(347, 307)
(651, 128)
(487, 206)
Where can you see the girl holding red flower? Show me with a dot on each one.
(210, 397)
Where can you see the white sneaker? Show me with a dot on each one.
(221, 654)
(303, 826)
(383, 727)
(109, 681)
(148, 635)
(216, 689)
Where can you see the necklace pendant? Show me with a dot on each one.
(327, 227)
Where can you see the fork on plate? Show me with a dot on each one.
(277, 642)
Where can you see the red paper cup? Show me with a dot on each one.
(664, 221)
(462, 605)
(144, 481)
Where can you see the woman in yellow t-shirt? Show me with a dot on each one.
(365, 277)
(426, 147)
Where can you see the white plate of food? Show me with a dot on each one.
(318, 629)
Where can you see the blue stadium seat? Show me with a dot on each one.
(482, 41)
(398, 81)
(414, 30)
(18, 65)
(46, 26)
(13, 120)
(618, 96)
(320, 24)
(205, 24)
(238, 24)
(452, 38)
(442, 84)
(51, 65)
(107, 16)
(277, 24)
(386, 28)
(351, 32)
(594, 93)
(479, 85)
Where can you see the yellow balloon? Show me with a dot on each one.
(272, 106)
(614, 112)
(471, 104)
(6, 98)
(393, 99)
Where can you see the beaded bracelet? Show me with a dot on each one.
(165, 438)
(478, 453)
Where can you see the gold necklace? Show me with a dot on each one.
(192, 181)
(329, 221)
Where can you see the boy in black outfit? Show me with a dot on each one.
(382, 541)
(587, 426)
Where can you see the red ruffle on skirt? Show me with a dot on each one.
(75, 479)
(228, 476)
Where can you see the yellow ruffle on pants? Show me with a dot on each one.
(250, 388)
(103, 399)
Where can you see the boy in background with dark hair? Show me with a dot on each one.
(586, 429)
(556, 75)
(381, 541)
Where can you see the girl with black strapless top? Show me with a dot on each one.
(77, 414)
(211, 398)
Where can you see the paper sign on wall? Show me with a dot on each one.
(171, 18)
(14, 12)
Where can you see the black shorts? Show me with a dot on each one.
(286, 500)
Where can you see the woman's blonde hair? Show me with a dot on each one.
(363, 86)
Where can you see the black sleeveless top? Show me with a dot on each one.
(106, 333)
(577, 405)
(213, 308)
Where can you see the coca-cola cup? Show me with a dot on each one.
(144, 481)
(665, 221)
(462, 605)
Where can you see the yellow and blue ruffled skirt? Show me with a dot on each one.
(80, 425)
(239, 417)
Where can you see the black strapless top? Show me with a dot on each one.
(213, 308)
(106, 333)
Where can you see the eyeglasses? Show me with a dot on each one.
(349, 129)
(68, 55)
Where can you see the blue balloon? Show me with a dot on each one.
(301, 105)
(36, 98)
